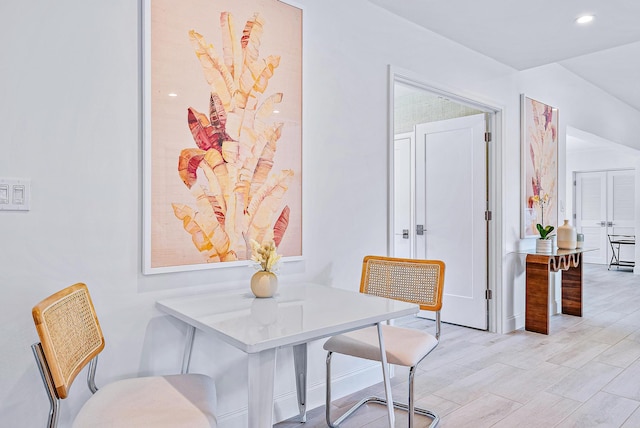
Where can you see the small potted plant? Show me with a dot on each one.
(264, 282)
(544, 243)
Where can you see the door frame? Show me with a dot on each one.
(495, 165)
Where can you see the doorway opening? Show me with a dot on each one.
(602, 197)
(443, 194)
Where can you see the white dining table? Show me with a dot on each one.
(295, 316)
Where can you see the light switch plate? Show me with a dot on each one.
(4, 194)
(15, 194)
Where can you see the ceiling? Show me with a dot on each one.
(524, 35)
(580, 141)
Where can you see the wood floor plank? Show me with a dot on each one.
(603, 409)
(543, 410)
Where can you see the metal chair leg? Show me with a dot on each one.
(410, 408)
(411, 398)
(328, 396)
(47, 379)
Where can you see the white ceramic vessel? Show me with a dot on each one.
(264, 283)
(544, 245)
(567, 237)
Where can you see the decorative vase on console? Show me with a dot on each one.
(544, 244)
(567, 237)
(264, 283)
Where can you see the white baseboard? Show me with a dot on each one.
(513, 323)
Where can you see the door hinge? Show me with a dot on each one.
(487, 137)
(487, 215)
(488, 294)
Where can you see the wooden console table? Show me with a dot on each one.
(538, 270)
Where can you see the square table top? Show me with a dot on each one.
(296, 314)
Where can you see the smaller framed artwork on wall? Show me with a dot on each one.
(539, 148)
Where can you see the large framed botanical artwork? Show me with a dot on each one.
(539, 128)
(222, 131)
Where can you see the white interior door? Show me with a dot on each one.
(402, 194)
(591, 214)
(605, 204)
(451, 200)
(621, 208)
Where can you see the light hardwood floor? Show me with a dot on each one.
(586, 373)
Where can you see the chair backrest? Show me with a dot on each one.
(69, 332)
(411, 280)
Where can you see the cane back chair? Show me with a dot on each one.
(71, 337)
(416, 281)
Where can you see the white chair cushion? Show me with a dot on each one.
(158, 401)
(404, 346)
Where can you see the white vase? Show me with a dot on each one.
(567, 237)
(544, 245)
(264, 284)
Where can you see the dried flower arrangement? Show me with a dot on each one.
(265, 255)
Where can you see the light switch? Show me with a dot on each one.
(4, 194)
(15, 194)
(18, 194)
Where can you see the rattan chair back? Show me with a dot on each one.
(69, 332)
(411, 280)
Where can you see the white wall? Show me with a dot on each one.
(69, 115)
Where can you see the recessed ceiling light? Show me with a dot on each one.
(172, 94)
(276, 111)
(584, 19)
